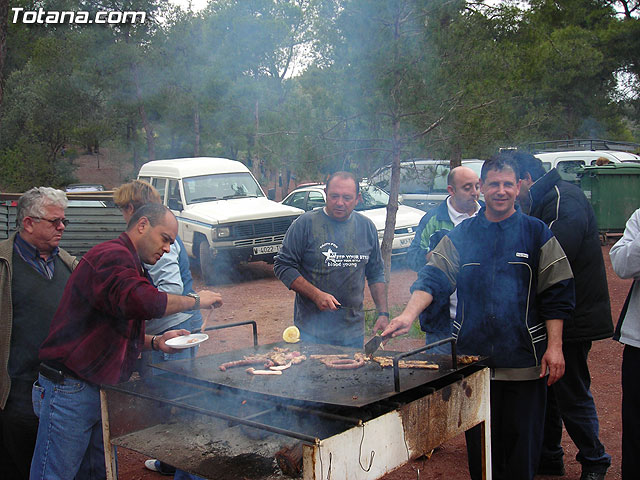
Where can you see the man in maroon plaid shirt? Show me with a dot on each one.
(95, 337)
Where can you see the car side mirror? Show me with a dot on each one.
(271, 194)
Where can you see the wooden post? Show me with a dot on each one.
(110, 453)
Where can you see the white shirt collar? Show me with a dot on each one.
(457, 217)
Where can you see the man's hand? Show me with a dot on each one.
(161, 341)
(209, 299)
(381, 324)
(325, 301)
(553, 360)
(402, 323)
(399, 325)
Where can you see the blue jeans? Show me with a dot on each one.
(569, 400)
(432, 337)
(180, 475)
(69, 442)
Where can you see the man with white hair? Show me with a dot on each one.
(33, 274)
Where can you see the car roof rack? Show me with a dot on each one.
(582, 144)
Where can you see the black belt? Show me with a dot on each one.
(56, 376)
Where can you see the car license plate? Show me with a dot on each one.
(266, 249)
(405, 242)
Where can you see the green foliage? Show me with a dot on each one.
(383, 79)
(370, 319)
(25, 165)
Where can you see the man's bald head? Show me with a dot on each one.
(464, 188)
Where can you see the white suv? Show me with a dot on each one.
(223, 214)
(568, 156)
(373, 206)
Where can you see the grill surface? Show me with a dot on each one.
(311, 381)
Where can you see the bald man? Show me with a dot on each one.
(463, 186)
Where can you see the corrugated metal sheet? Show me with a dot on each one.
(4, 221)
(87, 227)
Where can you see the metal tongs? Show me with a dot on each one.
(372, 345)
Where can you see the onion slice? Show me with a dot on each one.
(253, 371)
(279, 368)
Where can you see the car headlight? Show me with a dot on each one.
(221, 232)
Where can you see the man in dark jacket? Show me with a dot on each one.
(463, 186)
(566, 210)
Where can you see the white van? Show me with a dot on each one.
(223, 214)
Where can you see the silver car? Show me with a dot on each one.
(423, 183)
(373, 206)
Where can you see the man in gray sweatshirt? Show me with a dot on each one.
(326, 255)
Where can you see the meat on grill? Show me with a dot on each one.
(388, 362)
(342, 361)
(277, 357)
(467, 359)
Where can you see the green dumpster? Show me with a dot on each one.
(614, 193)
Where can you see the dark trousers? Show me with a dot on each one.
(517, 422)
(630, 413)
(569, 400)
(18, 431)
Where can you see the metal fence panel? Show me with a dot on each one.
(87, 227)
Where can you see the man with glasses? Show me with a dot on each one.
(33, 274)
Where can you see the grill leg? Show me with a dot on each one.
(110, 453)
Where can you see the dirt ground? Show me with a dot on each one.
(255, 294)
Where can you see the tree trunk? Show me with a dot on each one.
(148, 128)
(456, 155)
(196, 129)
(392, 206)
(4, 18)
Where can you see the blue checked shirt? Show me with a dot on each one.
(31, 255)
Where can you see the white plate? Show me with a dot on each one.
(187, 341)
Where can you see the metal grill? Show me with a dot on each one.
(261, 229)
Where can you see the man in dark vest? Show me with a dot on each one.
(569, 215)
(33, 274)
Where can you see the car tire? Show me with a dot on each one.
(207, 265)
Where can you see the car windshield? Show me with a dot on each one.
(416, 178)
(220, 186)
(372, 197)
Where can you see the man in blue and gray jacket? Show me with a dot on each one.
(515, 289)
